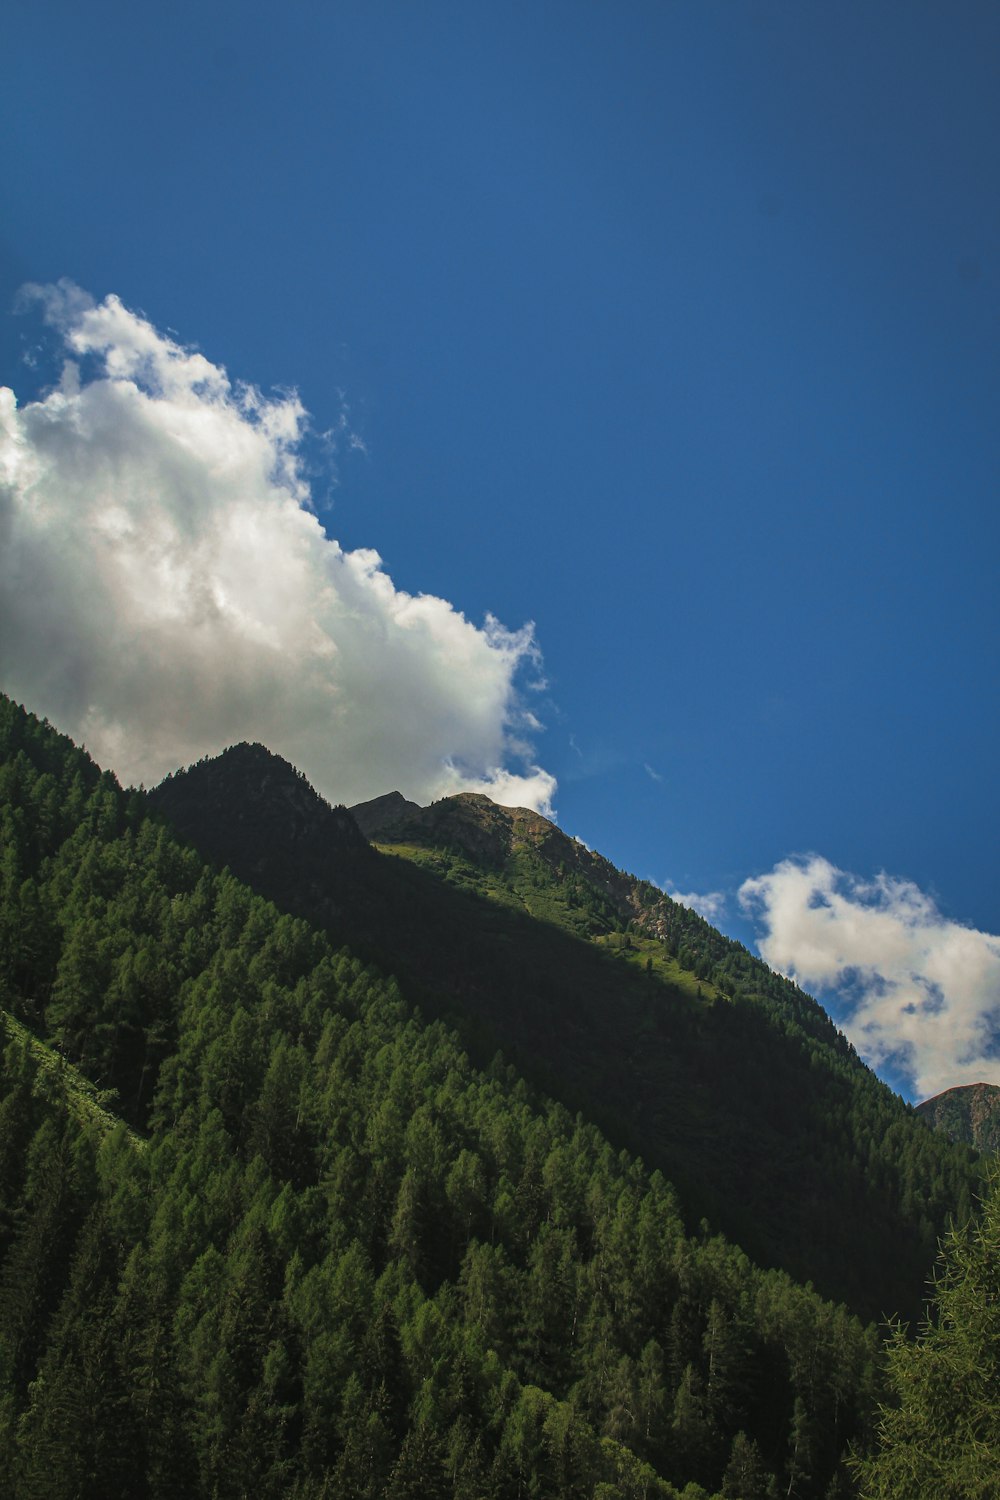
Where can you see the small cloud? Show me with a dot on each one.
(61, 302)
(708, 904)
(916, 992)
(534, 789)
(653, 775)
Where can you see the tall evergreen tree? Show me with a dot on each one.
(941, 1439)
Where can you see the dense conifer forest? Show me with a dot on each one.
(268, 1229)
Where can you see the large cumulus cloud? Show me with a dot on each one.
(917, 993)
(166, 590)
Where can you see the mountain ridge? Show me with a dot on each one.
(481, 826)
(616, 1000)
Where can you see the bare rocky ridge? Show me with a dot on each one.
(970, 1113)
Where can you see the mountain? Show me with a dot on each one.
(265, 1229)
(623, 1005)
(249, 803)
(970, 1113)
(381, 812)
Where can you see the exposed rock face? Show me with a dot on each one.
(970, 1114)
(490, 835)
(467, 821)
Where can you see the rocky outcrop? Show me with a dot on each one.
(970, 1113)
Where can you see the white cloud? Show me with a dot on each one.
(708, 904)
(916, 991)
(166, 590)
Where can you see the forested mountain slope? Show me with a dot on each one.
(619, 1002)
(345, 1262)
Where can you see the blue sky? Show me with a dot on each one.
(672, 328)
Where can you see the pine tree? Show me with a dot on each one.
(745, 1478)
(942, 1440)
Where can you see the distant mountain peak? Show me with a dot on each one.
(239, 806)
(382, 812)
(969, 1113)
(490, 835)
(249, 750)
(473, 822)
(246, 757)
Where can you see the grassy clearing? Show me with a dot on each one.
(649, 955)
(86, 1103)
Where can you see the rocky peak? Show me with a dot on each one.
(382, 814)
(969, 1113)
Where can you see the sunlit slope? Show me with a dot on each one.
(54, 1079)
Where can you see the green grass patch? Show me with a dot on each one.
(86, 1103)
(526, 883)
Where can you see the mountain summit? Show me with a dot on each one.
(484, 830)
(382, 812)
(253, 811)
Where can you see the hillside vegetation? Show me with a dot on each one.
(620, 1003)
(345, 1261)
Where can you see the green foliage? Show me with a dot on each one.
(603, 993)
(346, 1260)
(940, 1440)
